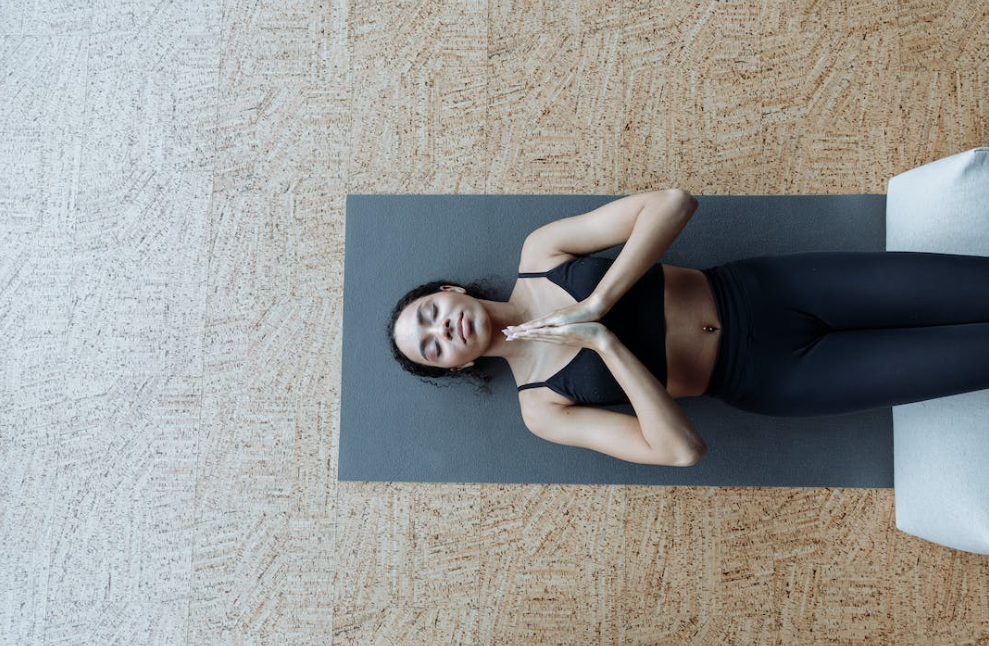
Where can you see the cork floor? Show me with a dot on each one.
(172, 184)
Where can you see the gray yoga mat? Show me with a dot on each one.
(394, 427)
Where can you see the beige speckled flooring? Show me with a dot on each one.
(172, 184)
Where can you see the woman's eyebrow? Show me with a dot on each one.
(422, 344)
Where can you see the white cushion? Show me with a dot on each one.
(941, 446)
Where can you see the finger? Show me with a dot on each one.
(536, 334)
(541, 339)
(546, 321)
(544, 334)
(522, 334)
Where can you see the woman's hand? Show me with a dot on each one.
(589, 310)
(585, 335)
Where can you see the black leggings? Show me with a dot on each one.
(821, 333)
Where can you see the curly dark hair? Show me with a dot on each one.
(486, 288)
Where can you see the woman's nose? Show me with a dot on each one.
(446, 328)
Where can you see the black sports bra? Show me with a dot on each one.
(636, 319)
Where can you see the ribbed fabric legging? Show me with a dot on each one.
(822, 333)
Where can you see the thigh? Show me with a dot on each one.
(846, 290)
(854, 370)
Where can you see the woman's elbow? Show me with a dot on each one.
(682, 197)
(693, 457)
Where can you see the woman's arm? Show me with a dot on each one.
(663, 423)
(647, 223)
(658, 433)
(656, 227)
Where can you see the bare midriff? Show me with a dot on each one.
(693, 331)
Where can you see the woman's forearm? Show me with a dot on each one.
(663, 423)
(655, 229)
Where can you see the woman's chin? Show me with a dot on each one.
(478, 331)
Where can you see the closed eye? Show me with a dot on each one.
(439, 353)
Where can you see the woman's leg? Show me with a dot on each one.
(838, 332)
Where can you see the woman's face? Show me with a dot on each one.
(430, 329)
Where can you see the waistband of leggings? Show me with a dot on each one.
(736, 332)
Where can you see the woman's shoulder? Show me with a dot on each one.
(536, 401)
(536, 257)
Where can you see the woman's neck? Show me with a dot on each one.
(503, 314)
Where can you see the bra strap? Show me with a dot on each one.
(539, 384)
(533, 274)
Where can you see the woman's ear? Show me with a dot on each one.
(453, 288)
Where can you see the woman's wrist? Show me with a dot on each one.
(604, 340)
(598, 305)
